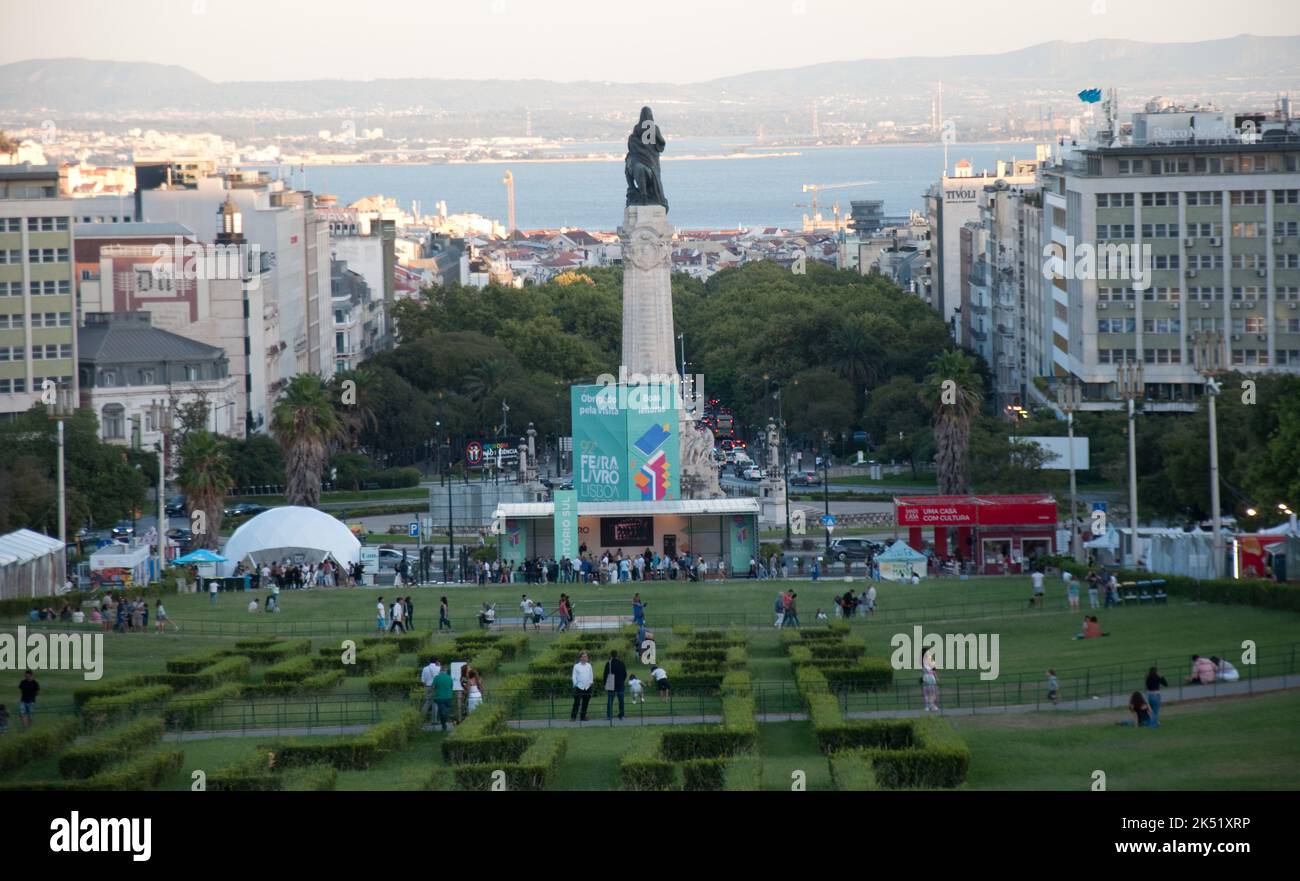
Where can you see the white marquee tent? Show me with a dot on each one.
(304, 535)
(31, 564)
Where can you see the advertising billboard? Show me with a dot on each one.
(599, 444)
(626, 446)
(1057, 452)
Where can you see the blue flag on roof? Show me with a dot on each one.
(1090, 96)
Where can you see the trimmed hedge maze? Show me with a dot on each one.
(921, 753)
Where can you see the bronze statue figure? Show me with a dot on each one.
(641, 167)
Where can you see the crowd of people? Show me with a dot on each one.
(607, 568)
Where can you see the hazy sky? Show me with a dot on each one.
(656, 40)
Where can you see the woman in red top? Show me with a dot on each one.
(563, 614)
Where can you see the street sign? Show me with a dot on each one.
(828, 520)
(413, 529)
(1099, 506)
(474, 453)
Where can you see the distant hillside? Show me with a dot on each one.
(76, 86)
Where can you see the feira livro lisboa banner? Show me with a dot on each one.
(625, 443)
(566, 524)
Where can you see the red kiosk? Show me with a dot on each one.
(996, 532)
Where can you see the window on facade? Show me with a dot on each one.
(113, 417)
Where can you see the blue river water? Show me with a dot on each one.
(715, 193)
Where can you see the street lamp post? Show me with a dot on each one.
(826, 499)
(60, 411)
(1069, 396)
(1208, 353)
(1131, 386)
(162, 421)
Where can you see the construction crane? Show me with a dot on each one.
(509, 181)
(815, 223)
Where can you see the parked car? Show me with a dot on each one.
(389, 558)
(854, 549)
(176, 506)
(182, 537)
(806, 478)
(244, 509)
(753, 472)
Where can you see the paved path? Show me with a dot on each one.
(1114, 701)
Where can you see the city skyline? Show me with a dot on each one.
(680, 41)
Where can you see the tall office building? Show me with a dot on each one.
(1214, 200)
(951, 204)
(38, 334)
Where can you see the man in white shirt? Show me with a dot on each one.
(583, 678)
(1037, 578)
(427, 674)
(381, 615)
(398, 611)
(526, 606)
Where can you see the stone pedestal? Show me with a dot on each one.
(648, 337)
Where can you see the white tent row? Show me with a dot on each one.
(31, 564)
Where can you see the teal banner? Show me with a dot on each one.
(599, 443)
(566, 524)
(514, 542)
(743, 541)
(653, 449)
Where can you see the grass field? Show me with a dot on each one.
(1253, 743)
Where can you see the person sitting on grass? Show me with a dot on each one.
(1203, 671)
(1141, 710)
(1224, 669)
(253, 607)
(821, 615)
(1091, 629)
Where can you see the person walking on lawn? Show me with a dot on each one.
(444, 615)
(615, 682)
(427, 676)
(583, 677)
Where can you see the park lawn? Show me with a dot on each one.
(1228, 743)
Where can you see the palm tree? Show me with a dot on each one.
(483, 385)
(305, 424)
(855, 357)
(955, 392)
(205, 477)
(355, 404)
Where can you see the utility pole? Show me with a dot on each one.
(1208, 354)
(1069, 395)
(826, 498)
(1131, 386)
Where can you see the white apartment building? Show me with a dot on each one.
(284, 226)
(951, 203)
(1217, 208)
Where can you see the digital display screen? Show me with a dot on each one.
(627, 531)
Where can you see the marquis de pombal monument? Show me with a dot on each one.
(648, 336)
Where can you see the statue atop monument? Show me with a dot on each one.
(645, 184)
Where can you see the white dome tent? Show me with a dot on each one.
(303, 535)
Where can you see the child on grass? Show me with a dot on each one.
(637, 690)
(1053, 689)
